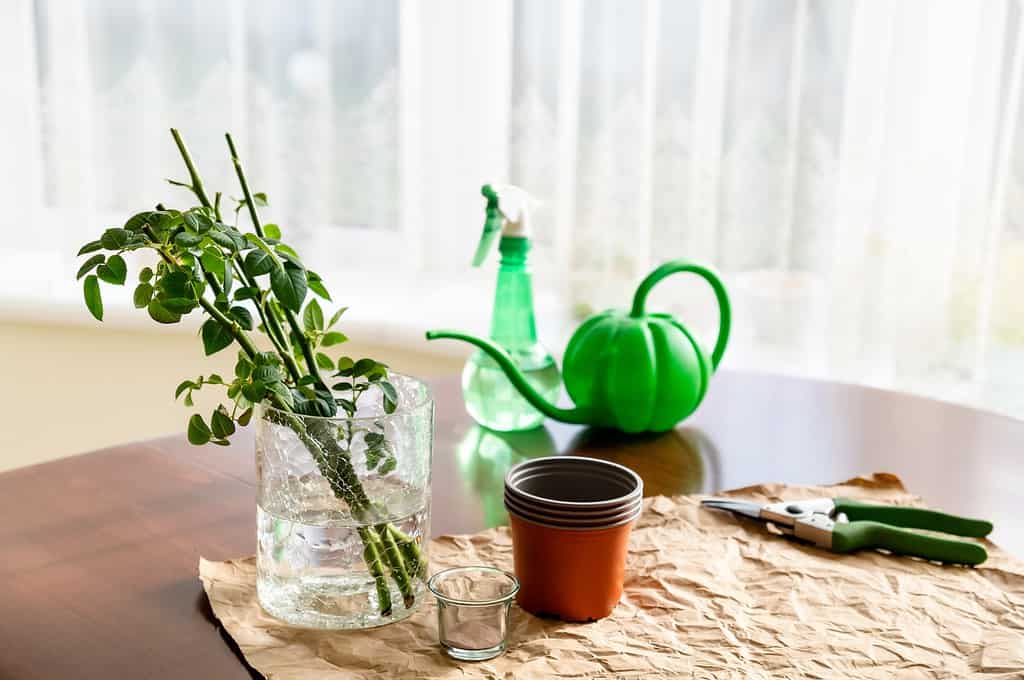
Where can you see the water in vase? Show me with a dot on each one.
(311, 567)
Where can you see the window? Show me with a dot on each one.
(854, 169)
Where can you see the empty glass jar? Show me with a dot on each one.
(473, 611)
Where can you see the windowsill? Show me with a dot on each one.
(394, 314)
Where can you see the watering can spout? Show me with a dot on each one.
(523, 386)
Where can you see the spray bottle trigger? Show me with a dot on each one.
(492, 229)
(492, 225)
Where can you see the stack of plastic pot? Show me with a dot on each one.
(570, 519)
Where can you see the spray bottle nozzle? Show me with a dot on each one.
(507, 210)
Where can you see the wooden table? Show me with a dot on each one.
(98, 552)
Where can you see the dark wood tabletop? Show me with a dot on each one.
(99, 552)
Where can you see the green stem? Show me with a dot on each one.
(197, 183)
(410, 551)
(399, 571)
(293, 322)
(372, 556)
(307, 351)
(249, 203)
(269, 323)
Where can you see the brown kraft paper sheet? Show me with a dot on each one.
(707, 595)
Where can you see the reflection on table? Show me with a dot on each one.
(679, 461)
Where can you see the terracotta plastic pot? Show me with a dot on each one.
(571, 574)
(570, 520)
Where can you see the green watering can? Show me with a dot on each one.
(633, 371)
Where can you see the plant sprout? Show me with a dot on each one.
(204, 263)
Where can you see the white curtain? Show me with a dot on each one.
(853, 168)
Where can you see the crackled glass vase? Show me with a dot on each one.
(343, 510)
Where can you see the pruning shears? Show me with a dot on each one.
(844, 525)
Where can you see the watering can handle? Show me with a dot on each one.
(674, 267)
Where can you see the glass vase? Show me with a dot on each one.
(343, 510)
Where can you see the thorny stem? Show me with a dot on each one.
(289, 315)
(197, 183)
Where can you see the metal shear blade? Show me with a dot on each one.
(739, 507)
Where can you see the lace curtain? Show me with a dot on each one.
(853, 168)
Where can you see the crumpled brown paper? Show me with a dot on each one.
(707, 595)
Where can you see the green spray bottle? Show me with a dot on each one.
(490, 398)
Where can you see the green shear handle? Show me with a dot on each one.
(913, 518)
(847, 537)
(888, 527)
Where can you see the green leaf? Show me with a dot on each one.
(178, 305)
(362, 367)
(228, 279)
(137, 221)
(145, 274)
(221, 423)
(266, 374)
(90, 247)
(387, 466)
(115, 271)
(198, 432)
(115, 239)
(216, 336)
(175, 284)
(317, 287)
(341, 387)
(242, 316)
(282, 392)
(313, 318)
(159, 313)
(213, 262)
(205, 223)
(143, 294)
(236, 237)
(186, 239)
(333, 338)
(272, 231)
(192, 221)
(214, 379)
(289, 286)
(324, 361)
(289, 253)
(254, 392)
(93, 299)
(337, 315)
(246, 416)
(246, 293)
(345, 366)
(390, 396)
(89, 264)
(223, 240)
(258, 262)
(266, 359)
(184, 385)
(243, 368)
(260, 198)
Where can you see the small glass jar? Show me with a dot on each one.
(474, 607)
(343, 510)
